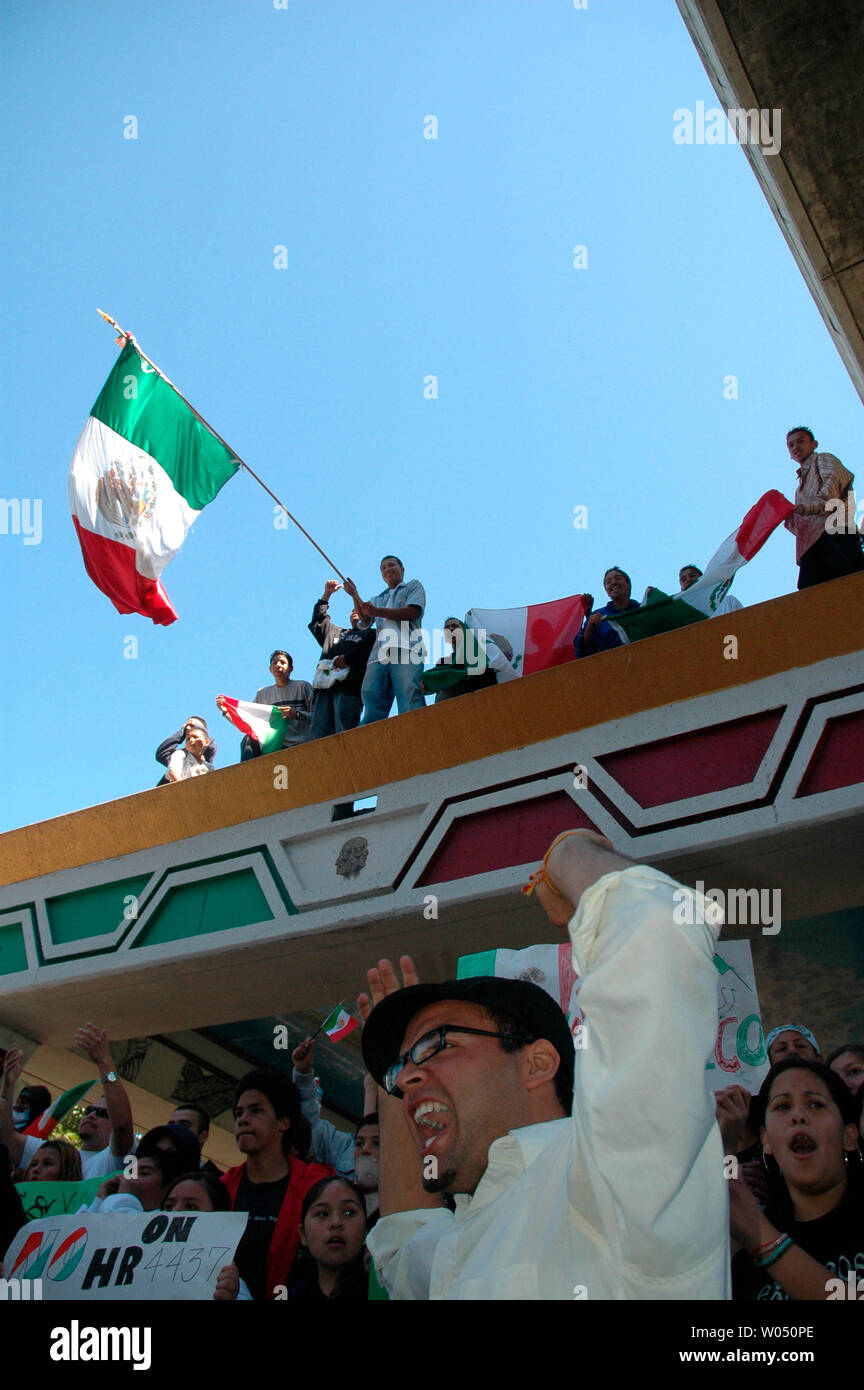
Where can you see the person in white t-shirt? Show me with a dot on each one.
(190, 760)
(395, 666)
(105, 1128)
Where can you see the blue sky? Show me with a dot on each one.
(303, 127)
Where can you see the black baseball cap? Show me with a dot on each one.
(528, 1004)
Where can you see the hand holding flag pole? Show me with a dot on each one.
(337, 1025)
(125, 338)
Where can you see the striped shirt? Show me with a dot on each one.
(821, 477)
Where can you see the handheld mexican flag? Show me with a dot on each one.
(339, 1024)
(661, 613)
(144, 467)
(42, 1126)
(262, 722)
(532, 638)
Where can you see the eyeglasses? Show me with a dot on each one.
(98, 1110)
(430, 1045)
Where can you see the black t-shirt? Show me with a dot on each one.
(354, 1287)
(835, 1240)
(263, 1201)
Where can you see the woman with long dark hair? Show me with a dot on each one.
(54, 1161)
(811, 1234)
(333, 1230)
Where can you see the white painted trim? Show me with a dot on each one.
(85, 945)
(23, 917)
(202, 873)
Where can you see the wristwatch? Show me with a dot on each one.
(109, 1076)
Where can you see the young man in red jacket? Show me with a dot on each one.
(273, 1181)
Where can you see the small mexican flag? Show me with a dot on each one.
(262, 722)
(143, 469)
(532, 638)
(339, 1024)
(42, 1126)
(661, 613)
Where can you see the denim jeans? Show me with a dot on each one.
(385, 681)
(333, 712)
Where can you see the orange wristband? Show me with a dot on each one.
(540, 875)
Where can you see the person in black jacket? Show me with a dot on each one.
(339, 706)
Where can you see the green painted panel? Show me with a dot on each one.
(13, 952)
(214, 904)
(93, 911)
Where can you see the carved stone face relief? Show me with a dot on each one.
(352, 856)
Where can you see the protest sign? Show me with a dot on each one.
(58, 1198)
(739, 1048)
(146, 1255)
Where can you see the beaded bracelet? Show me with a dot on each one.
(540, 875)
(758, 1249)
(774, 1254)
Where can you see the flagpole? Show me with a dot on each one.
(130, 338)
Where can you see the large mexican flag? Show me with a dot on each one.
(142, 470)
(532, 638)
(661, 612)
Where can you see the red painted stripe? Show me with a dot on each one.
(761, 520)
(112, 568)
(502, 836)
(694, 764)
(838, 758)
(549, 632)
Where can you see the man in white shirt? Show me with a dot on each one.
(623, 1199)
(395, 666)
(105, 1128)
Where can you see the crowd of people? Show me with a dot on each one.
(513, 1163)
(310, 1190)
(378, 659)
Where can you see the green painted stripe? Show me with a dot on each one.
(196, 909)
(13, 951)
(146, 411)
(94, 911)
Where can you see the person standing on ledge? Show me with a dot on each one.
(339, 707)
(395, 667)
(827, 542)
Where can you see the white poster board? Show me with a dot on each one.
(739, 1048)
(146, 1255)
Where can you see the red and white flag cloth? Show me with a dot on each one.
(532, 638)
(339, 1024)
(42, 1126)
(662, 612)
(142, 470)
(265, 723)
